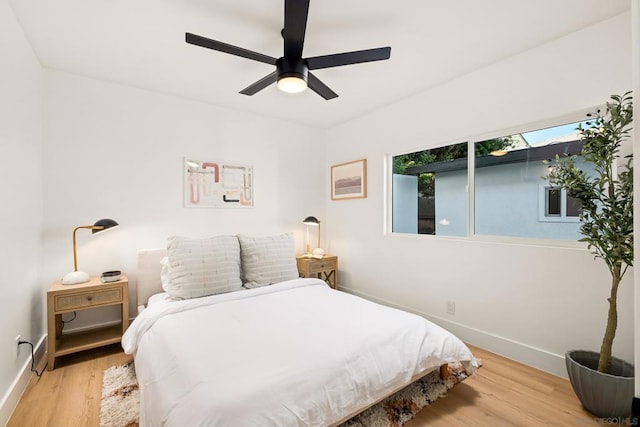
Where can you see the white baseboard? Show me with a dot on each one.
(520, 352)
(11, 399)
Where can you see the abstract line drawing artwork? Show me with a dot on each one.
(217, 184)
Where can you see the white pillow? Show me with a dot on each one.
(267, 260)
(200, 267)
(164, 272)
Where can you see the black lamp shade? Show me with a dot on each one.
(311, 220)
(105, 224)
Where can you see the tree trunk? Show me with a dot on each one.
(612, 323)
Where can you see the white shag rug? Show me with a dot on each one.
(121, 399)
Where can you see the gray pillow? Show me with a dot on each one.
(267, 260)
(200, 267)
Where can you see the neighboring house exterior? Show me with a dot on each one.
(512, 198)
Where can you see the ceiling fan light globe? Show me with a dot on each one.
(292, 84)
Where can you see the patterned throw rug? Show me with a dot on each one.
(120, 399)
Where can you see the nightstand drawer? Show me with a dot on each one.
(322, 265)
(88, 299)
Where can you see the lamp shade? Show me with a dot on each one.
(104, 224)
(311, 220)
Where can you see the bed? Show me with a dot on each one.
(293, 352)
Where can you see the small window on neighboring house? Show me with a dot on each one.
(574, 207)
(558, 206)
(553, 202)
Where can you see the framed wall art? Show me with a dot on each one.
(215, 184)
(349, 180)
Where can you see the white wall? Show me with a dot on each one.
(116, 152)
(22, 304)
(531, 303)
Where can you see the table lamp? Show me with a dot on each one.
(318, 252)
(76, 276)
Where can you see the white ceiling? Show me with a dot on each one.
(141, 43)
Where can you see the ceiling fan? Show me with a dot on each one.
(292, 70)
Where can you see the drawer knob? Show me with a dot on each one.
(89, 298)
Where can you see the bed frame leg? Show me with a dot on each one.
(444, 371)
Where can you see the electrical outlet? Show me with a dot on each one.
(18, 345)
(451, 307)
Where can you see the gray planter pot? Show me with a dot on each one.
(604, 395)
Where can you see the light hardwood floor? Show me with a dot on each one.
(503, 393)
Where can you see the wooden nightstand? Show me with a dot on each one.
(325, 268)
(84, 296)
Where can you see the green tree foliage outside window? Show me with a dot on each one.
(426, 181)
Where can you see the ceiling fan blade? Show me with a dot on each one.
(260, 84)
(320, 88)
(295, 25)
(356, 57)
(227, 48)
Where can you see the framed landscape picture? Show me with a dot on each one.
(349, 180)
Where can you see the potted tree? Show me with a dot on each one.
(604, 384)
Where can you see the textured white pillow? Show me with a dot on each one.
(267, 260)
(200, 267)
(164, 272)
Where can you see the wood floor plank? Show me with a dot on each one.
(506, 393)
(70, 394)
(502, 393)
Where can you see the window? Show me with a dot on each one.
(510, 196)
(552, 200)
(558, 206)
(429, 191)
(573, 207)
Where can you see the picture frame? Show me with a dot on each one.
(349, 180)
(217, 184)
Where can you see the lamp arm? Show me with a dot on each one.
(88, 227)
(318, 234)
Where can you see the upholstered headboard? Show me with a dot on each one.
(149, 273)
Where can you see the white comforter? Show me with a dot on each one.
(295, 353)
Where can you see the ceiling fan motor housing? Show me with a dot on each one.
(292, 67)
